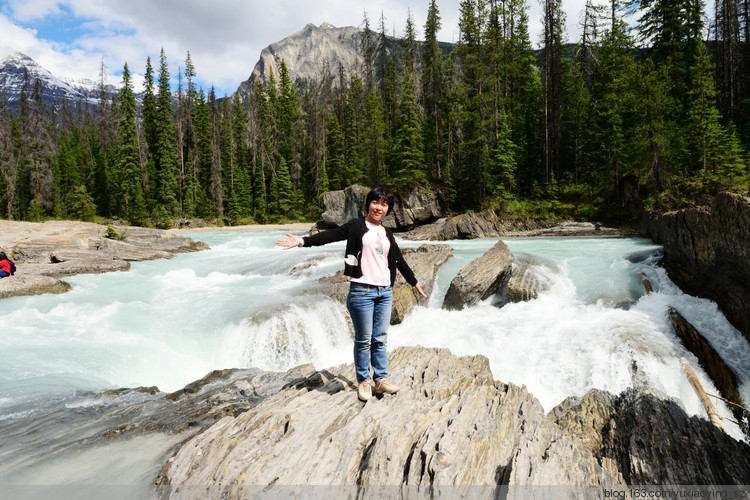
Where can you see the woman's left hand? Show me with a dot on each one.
(419, 288)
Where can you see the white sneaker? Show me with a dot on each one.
(364, 392)
(385, 386)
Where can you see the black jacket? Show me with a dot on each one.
(352, 232)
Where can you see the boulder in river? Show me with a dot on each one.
(480, 278)
(526, 279)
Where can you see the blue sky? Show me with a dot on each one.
(71, 38)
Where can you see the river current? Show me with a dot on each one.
(245, 303)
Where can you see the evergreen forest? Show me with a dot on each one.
(654, 116)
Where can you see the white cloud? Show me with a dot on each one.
(224, 37)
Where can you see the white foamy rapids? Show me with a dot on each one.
(316, 332)
(560, 346)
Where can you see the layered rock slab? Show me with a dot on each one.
(451, 424)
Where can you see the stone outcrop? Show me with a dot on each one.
(451, 426)
(480, 278)
(425, 261)
(411, 207)
(651, 441)
(706, 253)
(49, 250)
(344, 205)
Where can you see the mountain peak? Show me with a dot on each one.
(305, 54)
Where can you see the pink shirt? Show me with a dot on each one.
(374, 258)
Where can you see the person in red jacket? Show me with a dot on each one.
(5, 268)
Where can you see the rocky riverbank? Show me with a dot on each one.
(47, 251)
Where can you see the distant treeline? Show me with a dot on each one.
(628, 120)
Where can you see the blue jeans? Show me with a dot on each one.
(370, 309)
(3, 274)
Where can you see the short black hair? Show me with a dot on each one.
(3, 256)
(380, 193)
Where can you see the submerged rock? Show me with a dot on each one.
(480, 278)
(452, 425)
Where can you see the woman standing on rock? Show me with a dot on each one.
(372, 257)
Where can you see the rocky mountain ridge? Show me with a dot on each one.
(12, 74)
(306, 54)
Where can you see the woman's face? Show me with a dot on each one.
(378, 209)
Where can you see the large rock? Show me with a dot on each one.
(707, 253)
(140, 427)
(480, 278)
(411, 207)
(451, 425)
(651, 441)
(452, 429)
(344, 205)
(425, 261)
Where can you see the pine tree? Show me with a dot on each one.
(433, 93)
(166, 145)
(552, 70)
(704, 117)
(8, 154)
(408, 156)
(130, 200)
(148, 112)
(41, 148)
(656, 130)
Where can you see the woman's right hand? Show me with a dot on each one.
(290, 242)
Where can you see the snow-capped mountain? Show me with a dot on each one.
(15, 67)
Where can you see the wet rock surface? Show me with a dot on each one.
(49, 250)
(723, 376)
(452, 424)
(480, 278)
(706, 253)
(526, 281)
